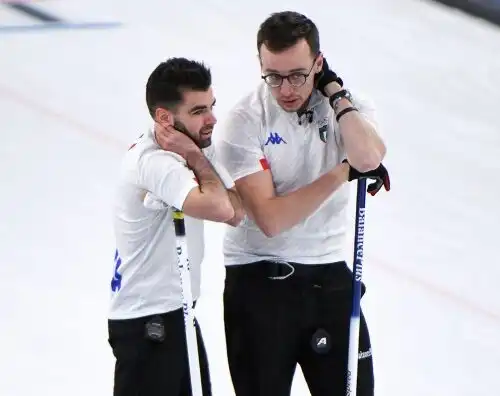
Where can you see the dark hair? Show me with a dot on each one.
(170, 79)
(282, 30)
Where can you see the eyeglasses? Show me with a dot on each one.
(297, 79)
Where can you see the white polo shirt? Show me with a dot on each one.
(146, 279)
(259, 135)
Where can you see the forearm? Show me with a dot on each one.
(208, 179)
(239, 212)
(364, 148)
(281, 213)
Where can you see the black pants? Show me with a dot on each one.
(151, 368)
(270, 326)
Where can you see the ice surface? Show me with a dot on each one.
(71, 101)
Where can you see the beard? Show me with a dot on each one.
(201, 143)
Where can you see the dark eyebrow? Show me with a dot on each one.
(200, 107)
(300, 69)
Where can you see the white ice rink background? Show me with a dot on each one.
(72, 99)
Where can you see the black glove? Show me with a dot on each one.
(380, 175)
(325, 77)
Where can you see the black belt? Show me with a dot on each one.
(281, 270)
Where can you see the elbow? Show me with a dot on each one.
(368, 161)
(239, 214)
(266, 222)
(364, 165)
(269, 228)
(368, 156)
(270, 233)
(223, 211)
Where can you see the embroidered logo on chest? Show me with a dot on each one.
(323, 129)
(274, 138)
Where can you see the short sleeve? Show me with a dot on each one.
(166, 177)
(239, 149)
(224, 175)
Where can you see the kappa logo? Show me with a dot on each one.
(274, 138)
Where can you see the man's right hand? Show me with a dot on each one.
(170, 139)
(325, 78)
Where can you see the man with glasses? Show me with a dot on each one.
(291, 147)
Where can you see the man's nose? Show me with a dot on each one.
(210, 119)
(286, 88)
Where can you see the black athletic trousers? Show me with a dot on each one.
(152, 368)
(272, 325)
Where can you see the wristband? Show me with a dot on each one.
(345, 111)
(343, 93)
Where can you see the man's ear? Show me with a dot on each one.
(164, 116)
(319, 63)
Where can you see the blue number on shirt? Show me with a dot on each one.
(116, 282)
